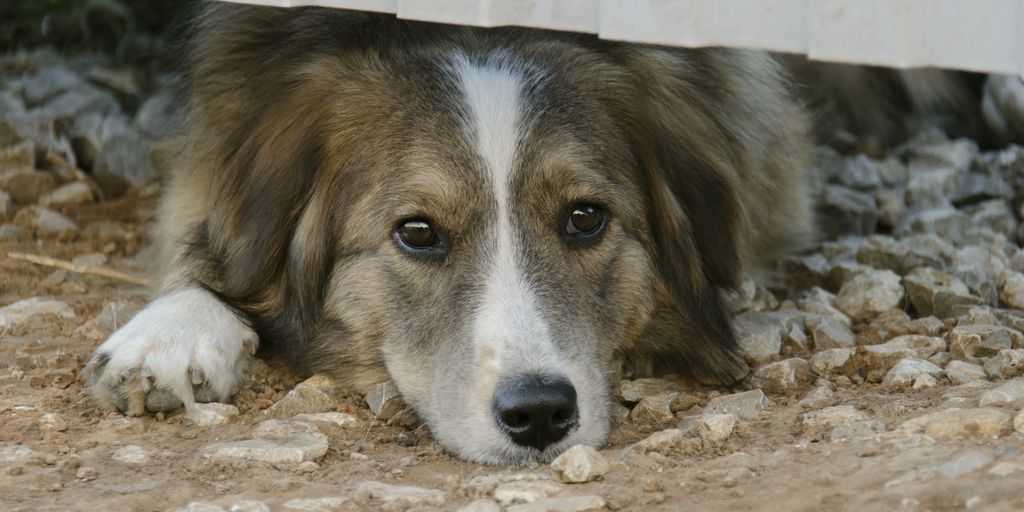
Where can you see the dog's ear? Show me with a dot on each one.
(683, 150)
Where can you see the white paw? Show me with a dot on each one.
(182, 347)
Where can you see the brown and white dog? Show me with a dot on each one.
(499, 221)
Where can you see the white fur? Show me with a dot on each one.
(181, 339)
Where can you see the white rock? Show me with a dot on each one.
(75, 192)
(957, 423)
(210, 414)
(582, 503)
(1018, 422)
(579, 464)
(131, 454)
(249, 506)
(869, 293)
(50, 223)
(292, 449)
(18, 454)
(53, 422)
(1011, 289)
(525, 491)
(716, 427)
(759, 335)
(960, 372)
(200, 506)
(830, 417)
(482, 505)
(1006, 364)
(974, 343)
(817, 398)
(635, 390)
(337, 418)
(309, 396)
(746, 405)
(831, 361)
(924, 382)
(1006, 394)
(857, 430)
(1005, 468)
(328, 504)
(392, 497)
(663, 442)
(906, 371)
(23, 310)
(784, 376)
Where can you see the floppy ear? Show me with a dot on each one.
(694, 215)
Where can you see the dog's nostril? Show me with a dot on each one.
(535, 410)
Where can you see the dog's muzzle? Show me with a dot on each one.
(536, 410)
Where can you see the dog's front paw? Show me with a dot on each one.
(183, 347)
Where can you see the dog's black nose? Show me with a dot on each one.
(536, 410)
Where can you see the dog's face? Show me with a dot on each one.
(497, 230)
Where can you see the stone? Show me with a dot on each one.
(979, 283)
(18, 454)
(892, 171)
(830, 362)
(1011, 392)
(843, 249)
(967, 462)
(891, 208)
(860, 172)
(277, 442)
(396, 497)
(309, 396)
(69, 194)
(338, 419)
(847, 211)
(959, 372)
(663, 442)
(579, 464)
(882, 252)
(384, 400)
(996, 215)
(249, 506)
(924, 381)
(945, 221)
(975, 343)
(21, 155)
(1018, 422)
(715, 428)
(885, 355)
(633, 391)
(822, 303)
(751, 296)
(525, 491)
(817, 398)
(954, 423)
(1011, 289)
(481, 505)
(932, 186)
(7, 207)
(52, 422)
(869, 293)
(94, 259)
(125, 154)
(746, 405)
(47, 223)
(155, 115)
(210, 414)
(795, 343)
(327, 504)
(24, 310)
(48, 82)
(937, 293)
(830, 417)
(857, 430)
(1007, 364)
(199, 506)
(805, 271)
(131, 454)
(580, 503)
(654, 410)
(784, 376)
(759, 335)
(978, 187)
(829, 333)
(954, 154)
(903, 374)
(27, 185)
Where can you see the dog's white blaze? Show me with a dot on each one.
(508, 330)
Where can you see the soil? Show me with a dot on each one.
(769, 463)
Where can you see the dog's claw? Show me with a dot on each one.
(196, 375)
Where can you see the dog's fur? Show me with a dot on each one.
(311, 133)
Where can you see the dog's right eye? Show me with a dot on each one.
(418, 235)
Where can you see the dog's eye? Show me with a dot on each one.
(585, 221)
(418, 234)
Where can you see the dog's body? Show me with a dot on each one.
(496, 220)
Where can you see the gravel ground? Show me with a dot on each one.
(887, 365)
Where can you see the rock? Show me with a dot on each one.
(996, 215)
(86, 473)
(946, 222)
(339, 419)
(384, 400)
(885, 355)
(956, 154)
(525, 491)
(249, 506)
(795, 343)
(124, 155)
(892, 171)
(581, 503)
(131, 454)
(210, 414)
(829, 362)
(759, 335)
(932, 292)
(715, 428)
(654, 410)
(27, 185)
(830, 417)
(328, 504)
(784, 376)
(817, 398)
(1018, 422)
(975, 343)
(48, 82)
(7, 208)
(481, 505)
(867, 294)
(663, 442)
(967, 462)
(829, 333)
(891, 208)
(978, 187)
(155, 115)
(857, 430)
(860, 172)
(21, 155)
(924, 381)
(746, 405)
(579, 464)
(1007, 364)
(94, 259)
(846, 211)
(277, 442)
(954, 423)
(903, 374)
(843, 249)
(960, 372)
(932, 186)
(52, 422)
(978, 283)
(1011, 289)
(309, 396)
(805, 271)
(383, 496)
(1009, 393)
(73, 193)
(751, 296)
(24, 310)
(633, 391)
(882, 252)
(47, 223)
(822, 303)
(200, 506)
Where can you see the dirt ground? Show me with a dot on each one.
(57, 448)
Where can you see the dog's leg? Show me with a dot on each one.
(186, 343)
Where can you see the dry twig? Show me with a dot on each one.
(93, 270)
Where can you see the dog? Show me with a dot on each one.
(500, 221)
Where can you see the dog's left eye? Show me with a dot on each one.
(585, 221)
(418, 234)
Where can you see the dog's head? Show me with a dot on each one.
(495, 223)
